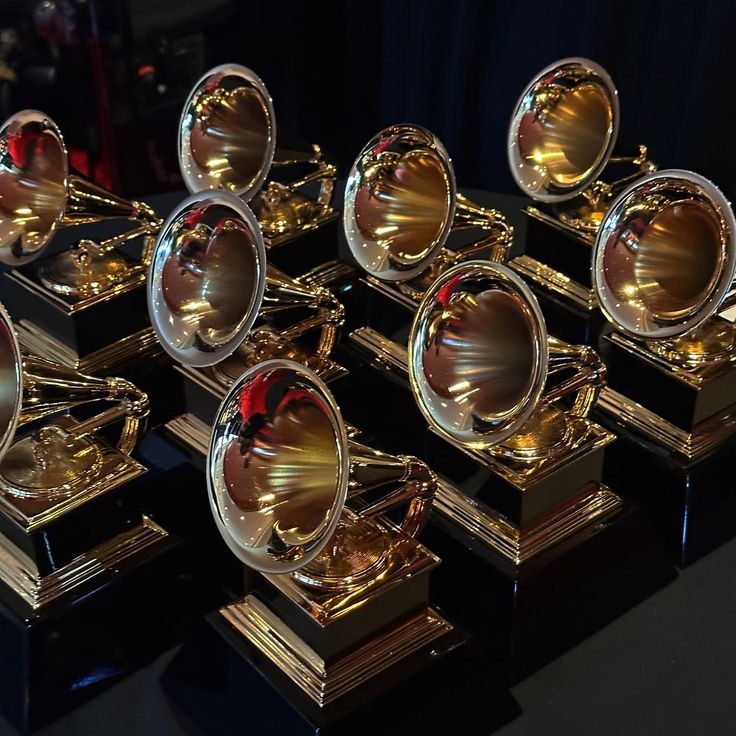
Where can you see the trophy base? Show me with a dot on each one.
(100, 334)
(689, 411)
(305, 248)
(557, 255)
(59, 656)
(564, 315)
(218, 675)
(529, 614)
(689, 503)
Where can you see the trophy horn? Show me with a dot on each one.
(664, 259)
(209, 281)
(563, 130)
(39, 195)
(479, 358)
(401, 203)
(51, 459)
(280, 470)
(227, 141)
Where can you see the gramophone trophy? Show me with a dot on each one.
(227, 141)
(401, 206)
(60, 301)
(664, 263)
(218, 307)
(560, 141)
(503, 411)
(340, 610)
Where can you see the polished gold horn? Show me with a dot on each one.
(209, 282)
(227, 141)
(562, 135)
(480, 358)
(39, 195)
(664, 264)
(281, 471)
(55, 459)
(401, 203)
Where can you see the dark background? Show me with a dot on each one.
(339, 71)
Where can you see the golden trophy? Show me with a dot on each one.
(402, 204)
(503, 410)
(227, 141)
(664, 265)
(561, 139)
(340, 608)
(218, 307)
(58, 302)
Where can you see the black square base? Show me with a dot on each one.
(222, 684)
(555, 600)
(85, 330)
(691, 505)
(295, 256)
(54, 662)
(567, 252)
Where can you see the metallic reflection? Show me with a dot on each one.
(207, 278)
(33, 181)
(563, 129)
(664, 257)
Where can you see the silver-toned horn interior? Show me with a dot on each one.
(478, 353)
(563, 129)
(277, 468)
(207, 278)
(33, 185)
(11, 381)
(227, 132)
(399, 202)
(664, 256)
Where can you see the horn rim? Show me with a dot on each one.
(238, 70)
(473, 438)
(192, 356)
(24, 117)
(541, 194)
(242, 552)
(351, 187)
(698, 314)
(7, 439)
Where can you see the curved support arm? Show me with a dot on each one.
(50, 389)
(500, 232)
(417, 485)
(587, 380)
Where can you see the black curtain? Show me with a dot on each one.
(339, 71)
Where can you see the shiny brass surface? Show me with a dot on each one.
(325, 682)
(58, 459)
(480, 357)
(595, 505)
(209, 282)
(227, 141)
(280, 470)
(664, 264)
(106, 560)
(38, 195)
(550, 440)
(401, 203)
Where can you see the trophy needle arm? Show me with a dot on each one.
(500, 235)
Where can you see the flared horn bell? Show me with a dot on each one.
(11, 381)
(563, 130)
(207, 278)
(664, 257)
(278, 467)
(400, 202)
(227, 132)
(34, 174)
(478, 354)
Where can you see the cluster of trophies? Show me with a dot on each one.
(435, 345)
